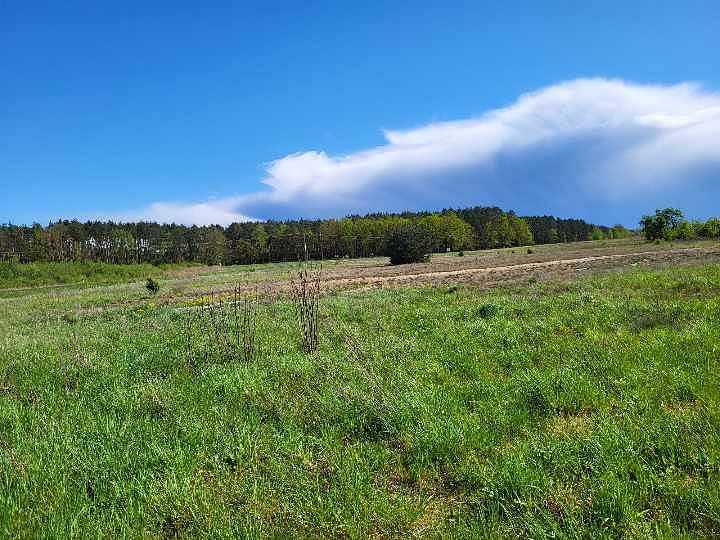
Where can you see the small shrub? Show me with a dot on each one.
(596, 234)
(530, 251)
(152, 286)
(486, 311)
(461, 253)
(407, 244)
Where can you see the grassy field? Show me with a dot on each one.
(15, 275)
(577, 408)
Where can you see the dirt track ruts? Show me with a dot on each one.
(483, 272)
(493, 275)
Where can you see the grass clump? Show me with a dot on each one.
(487, 311)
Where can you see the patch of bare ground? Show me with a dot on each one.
(483, 270)
(494, 271)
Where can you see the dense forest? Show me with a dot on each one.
(271, 241)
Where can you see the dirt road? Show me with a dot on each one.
(480, 269)
(492, 272)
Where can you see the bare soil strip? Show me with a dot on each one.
(479, 271)
(555, 268)
(502, 274)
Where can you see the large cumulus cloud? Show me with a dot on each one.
(595, 148)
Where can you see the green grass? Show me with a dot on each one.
(17, 275)
(583, 409)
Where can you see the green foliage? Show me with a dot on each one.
(486, 311)
(521, 233)
(619, 231)
(152, 286)
(214, 249)
(273, 241)
(685, 231)
(709, 229)
(15, 274)
(553, 236)
(552, 230)
(668, 224)
(596, 234)
(662, 225)
(446, 231)
(408, 243)
(497, 229)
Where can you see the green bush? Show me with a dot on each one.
(709, 229)
(487, 311)
(662, 225)
(152, 286)
(407, 244)
(669, 224)
(685, 231)
(597, 234)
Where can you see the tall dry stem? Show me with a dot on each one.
(306, 294)
(227, 329)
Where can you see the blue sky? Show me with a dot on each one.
(209, 112)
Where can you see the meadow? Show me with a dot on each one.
(585, 407)
(15, 275)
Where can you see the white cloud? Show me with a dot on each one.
(608, 139)
(206, 213)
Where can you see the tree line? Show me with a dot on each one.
(275, 241)
(670, 224)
